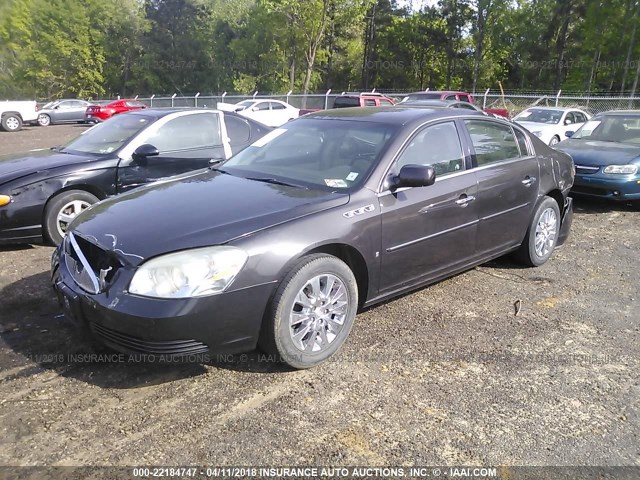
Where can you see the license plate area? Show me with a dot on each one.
(70, 303)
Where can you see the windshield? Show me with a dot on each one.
(244, 104)
(326, 154)
(540, 115)
(109, 136)
(611, 128)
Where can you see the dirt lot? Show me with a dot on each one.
(447, 375)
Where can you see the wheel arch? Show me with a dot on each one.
(11, 112)
(354, 260)
(92, 189)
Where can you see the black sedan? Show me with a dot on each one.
(41, 192)
(606, 151)
(281, 244)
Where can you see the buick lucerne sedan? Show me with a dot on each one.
(282, 244)
(42, 191)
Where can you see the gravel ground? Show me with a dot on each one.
(448, 375)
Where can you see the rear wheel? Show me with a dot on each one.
(62, 209)
(542, 235)
(11, 122)
(312, 311)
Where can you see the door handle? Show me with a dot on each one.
(463, 201)
(528, 181)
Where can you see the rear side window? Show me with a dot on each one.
(238, 130)
(464, 98)
(343, 102)
(522, 143)
(385, 102)
(492, 142)
(277, 106)
(187, 132)
(369, 102)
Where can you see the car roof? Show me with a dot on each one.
(397, 114)
(441, 92)
(432, 103)
(563, 109)
(621, 112)
(159, 112)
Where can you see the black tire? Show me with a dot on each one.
(54, 208)
(277, 335)
(527, 253)
(11, 122)
(44, 120)
(554, 140)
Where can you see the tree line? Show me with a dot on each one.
(97, 48)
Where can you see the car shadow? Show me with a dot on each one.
(583, 205)
(33, 327)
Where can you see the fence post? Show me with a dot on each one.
(172, 97)
(254, 94)
(326, 99)
(558, 97)
(151, 100)
(195, 100)
(373, 91)
(484, 101)
(289, 93)
(427, 89)
(136, 97)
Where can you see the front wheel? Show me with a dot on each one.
(44, 120)
(542, 235)
(62, 209)
(554, 141)
(312, 311)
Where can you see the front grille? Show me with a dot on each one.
(174, 347)
(91, 267)
(586, 169)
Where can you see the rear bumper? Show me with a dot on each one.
(567, 221)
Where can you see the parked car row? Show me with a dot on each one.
(277, 237)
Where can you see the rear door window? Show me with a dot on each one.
(492, 142)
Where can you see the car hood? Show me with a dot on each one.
(598, 153)
(13, 167)
(197, 210)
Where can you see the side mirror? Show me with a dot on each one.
(568, 121)
(143, 151)
(254, 109)
(415, 176)
(569, 134)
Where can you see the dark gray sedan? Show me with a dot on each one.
(62, 111)
(283, 243)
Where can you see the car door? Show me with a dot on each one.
(77, 110)
(279, 114)
(260, 111)
(63, 112)
(428, 231)
(186, 142)
(508, 176)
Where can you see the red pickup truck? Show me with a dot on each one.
(453, 95)
(346, 100)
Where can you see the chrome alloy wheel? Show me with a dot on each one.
(67, 213)
(44, 120)
(546, 231)
(319, 312)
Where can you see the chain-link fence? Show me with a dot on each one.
(514, 102)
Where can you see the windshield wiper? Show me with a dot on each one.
(275, 181)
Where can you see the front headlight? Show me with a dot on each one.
(190, 273)
(537, 133)
(621, 169)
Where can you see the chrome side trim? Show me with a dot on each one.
(433, 235)
(493, 215)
